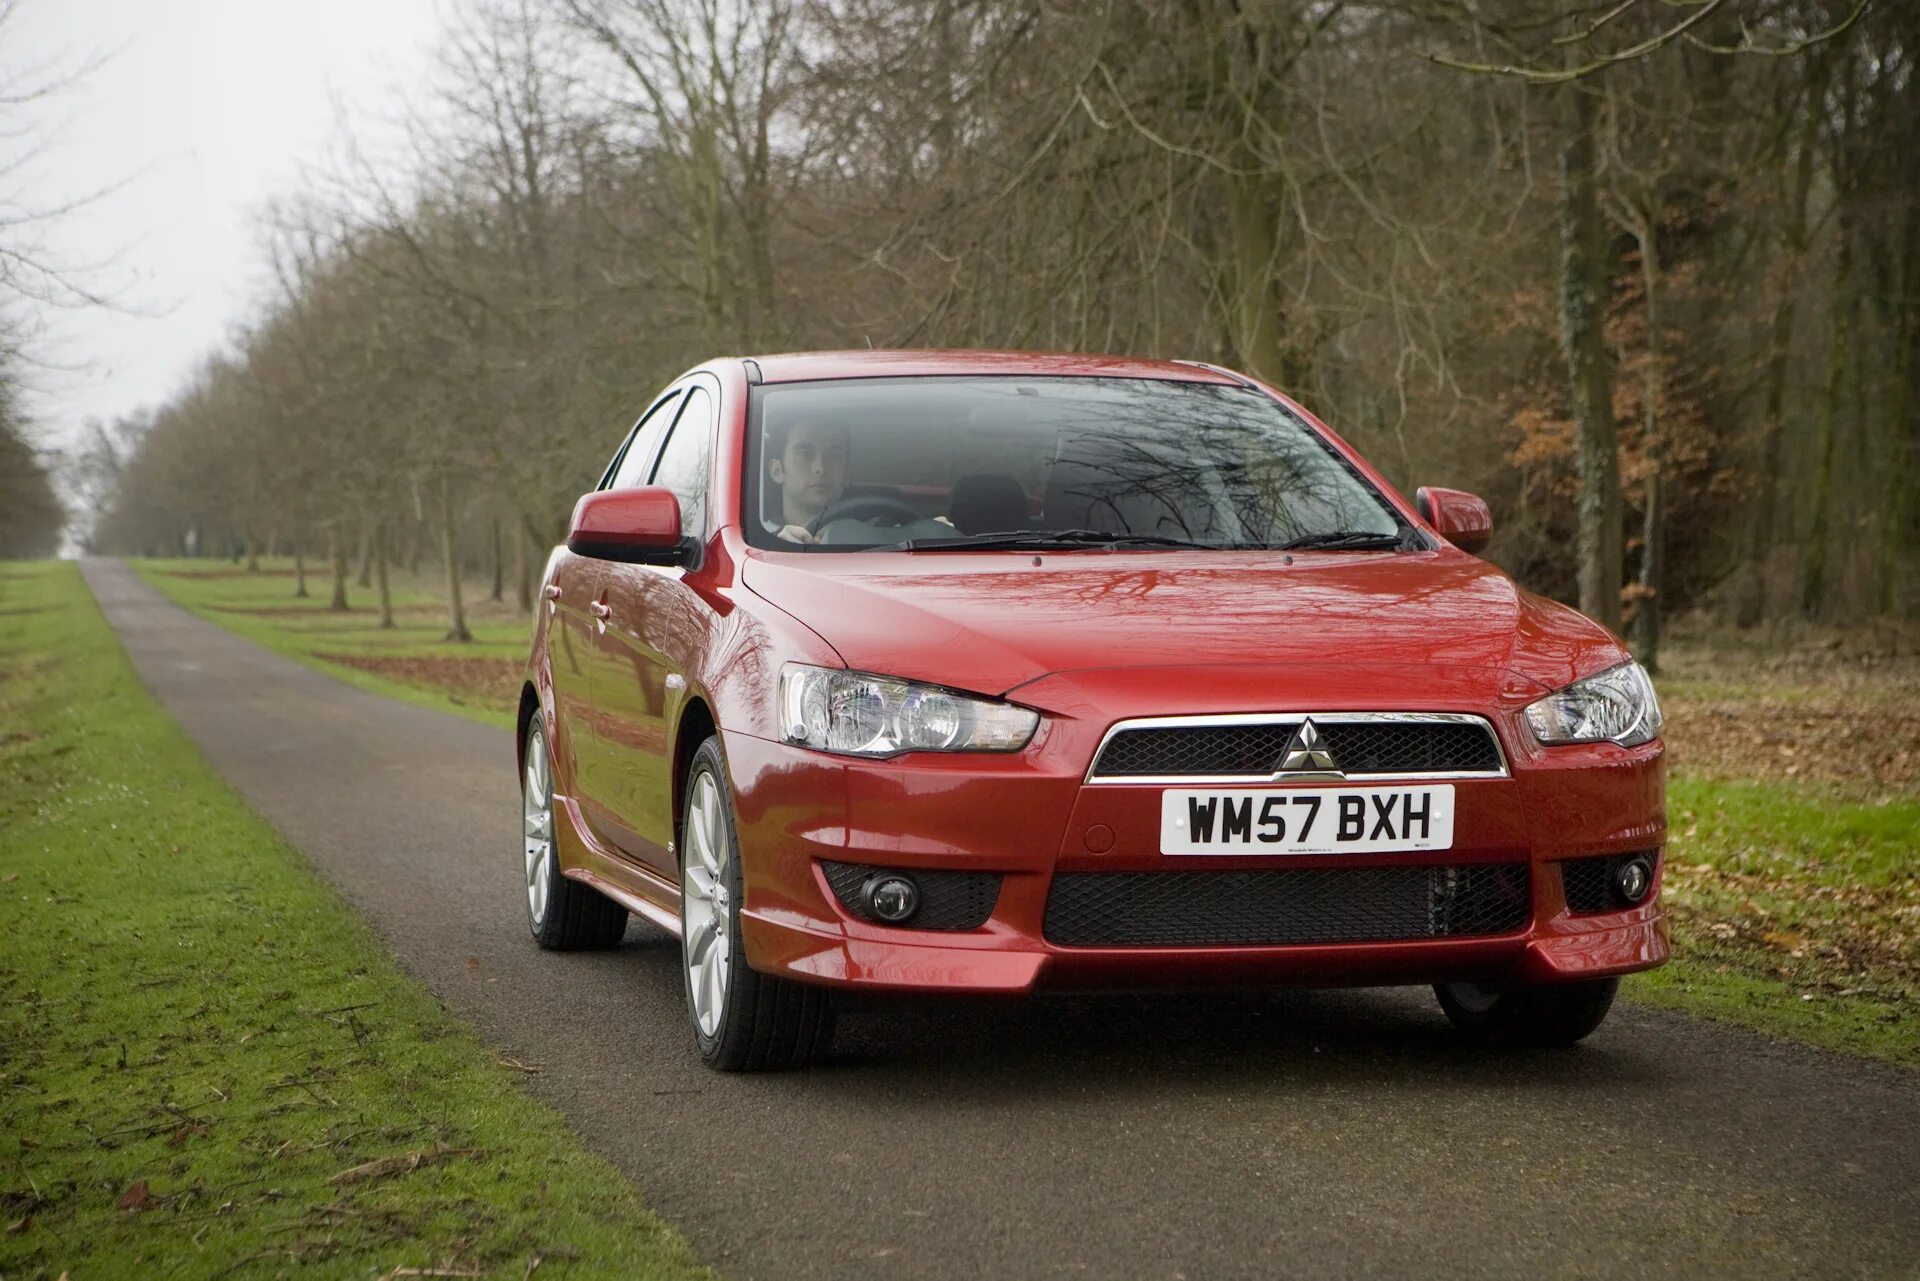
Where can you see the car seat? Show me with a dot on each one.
(989, 503)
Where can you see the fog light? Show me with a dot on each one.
(892, 898)
(1632, 879)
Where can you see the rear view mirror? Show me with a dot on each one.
(637, 526)
(1457, 516)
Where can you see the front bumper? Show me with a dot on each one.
(1029, 816)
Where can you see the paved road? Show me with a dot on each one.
(1317, 1135)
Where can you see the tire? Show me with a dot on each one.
(562, 914)
(1547, 1014)
(743, 1021)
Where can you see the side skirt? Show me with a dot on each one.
(637, 889)
(653, 912)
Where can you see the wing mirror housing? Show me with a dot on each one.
(636, 526)
(1457, 516)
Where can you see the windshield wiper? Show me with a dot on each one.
(1353, 540)
(1071, 539)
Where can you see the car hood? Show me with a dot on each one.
(994, 622)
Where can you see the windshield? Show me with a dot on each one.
(937, 463)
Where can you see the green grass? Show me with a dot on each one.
(211, 1066)
(263, 608)
(1796, 911)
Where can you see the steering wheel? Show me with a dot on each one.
(864, 507)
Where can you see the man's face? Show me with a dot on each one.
(812, 470)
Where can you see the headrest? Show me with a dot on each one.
(988, 504)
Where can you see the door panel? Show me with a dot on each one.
(597, 767)
(575, 581)
(653, 637)
(657, 629)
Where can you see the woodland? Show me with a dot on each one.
(1645, 274)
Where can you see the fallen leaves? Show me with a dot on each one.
(134, 1197)
(1794, 716)
(494, 681)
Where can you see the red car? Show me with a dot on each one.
(985, 672)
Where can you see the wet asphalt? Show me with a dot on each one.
(1174, 1136)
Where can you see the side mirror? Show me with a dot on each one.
(637, 526)
(1460, 517)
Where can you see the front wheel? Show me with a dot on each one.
(744, 1021)
(1546, 1014)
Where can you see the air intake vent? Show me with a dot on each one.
(1310, 905)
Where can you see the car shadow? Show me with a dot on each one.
(1205, 1038)
(1218, 1037)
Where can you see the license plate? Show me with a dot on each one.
(1321, 820)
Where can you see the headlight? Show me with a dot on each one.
(860, 714)
(1618, 705)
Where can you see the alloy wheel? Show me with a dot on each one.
(706, 899)
(536, 812)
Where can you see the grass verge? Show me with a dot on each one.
(212, 1069)
(1796, 910)
(478, 679)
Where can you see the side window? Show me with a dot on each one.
(686, 463)
(629, 470)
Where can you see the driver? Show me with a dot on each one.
(811, 470)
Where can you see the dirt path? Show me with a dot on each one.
(1322, 1135)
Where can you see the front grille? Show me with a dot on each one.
(1197, 749)
(1254, 750)
(948, 900)
(1308, 905)
(1588, 882)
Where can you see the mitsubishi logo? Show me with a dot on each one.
(1307, 752)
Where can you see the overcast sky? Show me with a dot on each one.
(204, 110)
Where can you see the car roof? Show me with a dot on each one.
(804, 366)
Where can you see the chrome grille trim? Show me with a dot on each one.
(1318, 718)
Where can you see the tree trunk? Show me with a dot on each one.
(366, 555)
(380, 574)
(1583, 301)
(337, 559)
(1813, 565)
(1757, 596)
(499, 564)
(1653, 532)
(253, 552)
(450, 554)
(1793, 245)
(1255, 315)
(703, 199)
(522, 571)
(299, 559)
(1898, 535)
